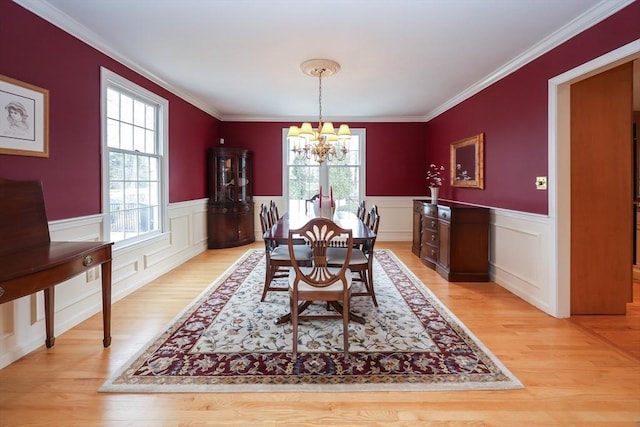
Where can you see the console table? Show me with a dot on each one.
(30, 262)
(452, 239)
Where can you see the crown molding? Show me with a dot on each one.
(334, 119)
(52, 15)
(596, 14)
(599, 12)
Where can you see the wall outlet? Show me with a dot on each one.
(93, 274)
(541, 183)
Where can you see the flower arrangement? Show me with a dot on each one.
(434, 177)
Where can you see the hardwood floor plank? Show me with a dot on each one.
(572, 375)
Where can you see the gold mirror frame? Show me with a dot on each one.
(467, 162)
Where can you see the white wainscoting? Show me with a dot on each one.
(22, 328)
(519, 257)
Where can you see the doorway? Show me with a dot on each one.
(560, 174)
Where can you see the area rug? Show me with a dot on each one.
(228, 341)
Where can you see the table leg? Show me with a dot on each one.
(287, 317)
(106, 303)
(353, 317)
(49, 310)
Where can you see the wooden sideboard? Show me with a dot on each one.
(452, 239)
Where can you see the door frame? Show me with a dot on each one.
(559, 189)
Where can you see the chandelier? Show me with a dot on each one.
(321, 143)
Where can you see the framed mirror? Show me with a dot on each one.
(467, 162)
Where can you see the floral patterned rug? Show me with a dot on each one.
(227, 340)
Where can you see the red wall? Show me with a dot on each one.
(513, 115)
(36, 52)
(395, 155)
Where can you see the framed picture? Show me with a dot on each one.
(467, 162)
(24, 118)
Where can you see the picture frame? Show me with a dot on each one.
(467, 162)
(24, 118)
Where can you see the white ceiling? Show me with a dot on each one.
(402, 60)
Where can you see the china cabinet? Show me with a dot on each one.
(230, 208)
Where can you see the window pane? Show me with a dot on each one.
(143, 168)
(116, 196)
(113, 133)
(139, 140)
(154, 194)
(126, 109)
(116, 166)
(126, 136)
(154, 169)
(150, 142)
(130, 168)
(345, 183)
(113, 104)
(139, 114)
(150, 122)
(143, 193)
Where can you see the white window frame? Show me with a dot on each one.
(324, 174)
(107, 79)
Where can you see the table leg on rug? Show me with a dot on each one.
(304, 305)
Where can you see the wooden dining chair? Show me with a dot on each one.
(319, 282)
(273, 212)
(311, 200)
(277, 259)
(361, 258)
(362, 210)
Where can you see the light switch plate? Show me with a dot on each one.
(541, 183)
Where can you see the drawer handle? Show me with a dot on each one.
(433, 252)
(433, 224)
(88, 260)
(433, 238)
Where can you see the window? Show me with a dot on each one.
(302, 178)
(134, 159)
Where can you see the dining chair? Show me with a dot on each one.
(273, 212)
(277, 259)
(361, 261)
(320, 282)
(311, 200)
(361, 210)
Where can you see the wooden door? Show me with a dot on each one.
(601, 193)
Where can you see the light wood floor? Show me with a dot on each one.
(572, 376)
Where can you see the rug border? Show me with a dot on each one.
(512, 384)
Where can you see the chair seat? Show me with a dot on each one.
(336, 256)
(304, 287)
(281, 253)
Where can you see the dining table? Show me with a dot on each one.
(279, 233)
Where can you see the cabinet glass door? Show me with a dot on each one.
(223, 178)
(243, 180)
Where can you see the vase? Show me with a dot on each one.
(325, 210)
(434, 195)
